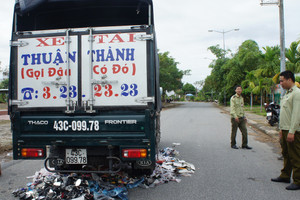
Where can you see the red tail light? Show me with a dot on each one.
(32, 153)
(134, 153)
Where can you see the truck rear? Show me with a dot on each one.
(84, 84)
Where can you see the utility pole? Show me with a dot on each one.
(279, 3)
(282, 37)
(223, 33)
(224, 49)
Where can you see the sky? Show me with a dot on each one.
(182, 29)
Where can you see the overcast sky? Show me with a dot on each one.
(182, 28)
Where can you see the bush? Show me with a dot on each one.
(197, 99)
(182, 99)
(3, 96)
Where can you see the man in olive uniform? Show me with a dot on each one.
(289, 124)
(238, 119)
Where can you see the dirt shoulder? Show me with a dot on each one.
(6, 141)
(166, 105)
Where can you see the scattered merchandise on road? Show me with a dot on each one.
(46, 185)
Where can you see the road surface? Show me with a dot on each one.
(221, 172)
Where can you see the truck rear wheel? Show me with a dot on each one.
(138, 172)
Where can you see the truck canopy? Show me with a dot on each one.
(58, 14)
(124, 36)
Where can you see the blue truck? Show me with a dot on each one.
(84, 85)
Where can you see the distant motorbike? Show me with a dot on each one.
(169, 100)
(273, 111)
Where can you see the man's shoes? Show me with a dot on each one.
(283, 180)
(234, 147)
(246, 147)
(293, 187)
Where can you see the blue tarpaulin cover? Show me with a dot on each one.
(189, 95)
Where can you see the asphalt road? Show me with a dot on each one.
(221, 172)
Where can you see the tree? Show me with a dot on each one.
(217, 51)
(199, 85)
(245, 60)
(3, 85)
(249, 55)
(4, 70)
(208, 88)
(261, 86)
(270, 68)
(249, 84)
(170, 76)
(257, 71)
(293, 56)
(215, 83)
(189, 88)
(271, 61)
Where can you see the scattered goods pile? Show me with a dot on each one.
(55, 186)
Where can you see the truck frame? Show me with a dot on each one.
(84, 85)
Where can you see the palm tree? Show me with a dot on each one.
(270, 69)
(261, 86)
(250, 84)
(293, 56)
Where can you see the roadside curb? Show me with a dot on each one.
(4, 115)
(3, 112)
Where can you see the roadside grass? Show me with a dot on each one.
(256, 109)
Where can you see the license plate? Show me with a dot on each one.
(76, 156)
(269, 114)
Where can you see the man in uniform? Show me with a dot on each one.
(289, 124)
(238, 119)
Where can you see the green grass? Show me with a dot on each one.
(256, 109)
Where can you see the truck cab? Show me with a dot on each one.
(84, 84)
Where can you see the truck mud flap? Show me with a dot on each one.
(110, 171)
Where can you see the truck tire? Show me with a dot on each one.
(271, 122)
(138, 172)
